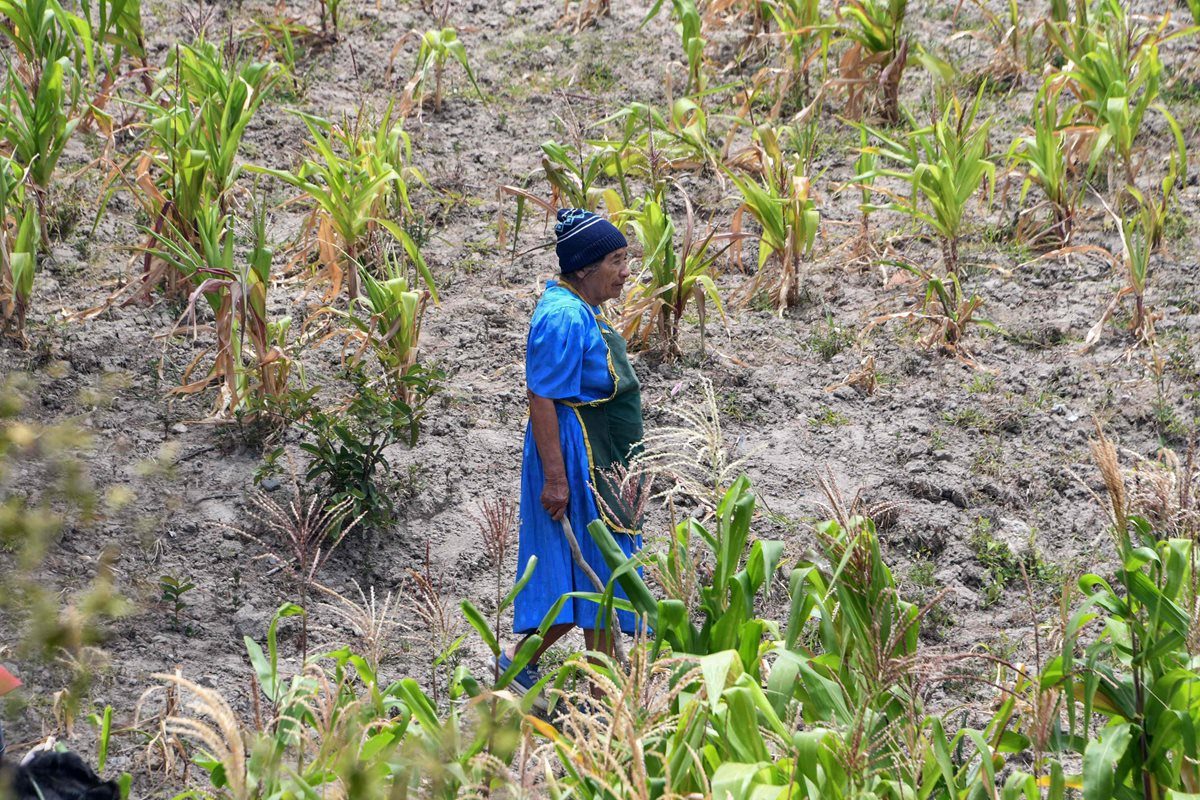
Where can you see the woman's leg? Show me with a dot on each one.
(555, 633)
(598, 641)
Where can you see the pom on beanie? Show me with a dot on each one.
(584, 238)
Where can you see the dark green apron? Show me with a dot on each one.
(612, 429)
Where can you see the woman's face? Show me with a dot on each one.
(608, 280)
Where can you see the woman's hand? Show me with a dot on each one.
(554, 497)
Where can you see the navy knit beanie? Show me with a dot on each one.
(584, 239)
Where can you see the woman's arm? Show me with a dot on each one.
(544, 418)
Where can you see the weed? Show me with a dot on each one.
(921, 573)
(937, 439)
(829, 339)
(971, 419)
(1002, 566)
(988, 458)
(828, 418)
(173, 590)
(348, 446)
(982, 383)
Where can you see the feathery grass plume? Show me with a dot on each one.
(431, 619)
(1165, 490)
(692, 457)
(373, 621)
(497, 522)
(306, 530)
(612, 753)
(1104, 453)
(222, 738)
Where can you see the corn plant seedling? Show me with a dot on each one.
(575, 178)
(355, 172)
(652, 145)
(1050, 156)
(329, 9)
(1137, 249)
(670, 279)
(944, 164)
(437, 48)
(42, 32)
(781, 202)
(19, 250)
(873, 28)
(945, 309)
(250, 379)
(861, 248)
(115, 23)
(1114, 72)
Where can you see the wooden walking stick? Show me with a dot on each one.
(614, 631)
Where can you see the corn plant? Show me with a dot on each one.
(204, 103)
(42, 32)
(781, 202)
(386, 320)
(37, 120)
(864, 165)
(19, 252)
(944, 164)
(437, 48)
(355, 172)
(652, 145)
(669, 279)
(725, 619)
(575, 178)
(691, 34)
(250, 379)
(329, 9)
(1050, 157)
(115, 23)
(1137, 675)
(1114, 72)
(806, 37)
(873, 29)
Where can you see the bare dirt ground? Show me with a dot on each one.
(964, 457)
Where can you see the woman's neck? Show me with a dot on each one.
(580, 290)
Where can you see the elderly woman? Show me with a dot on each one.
(585, 419)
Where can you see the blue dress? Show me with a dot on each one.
(576, 359)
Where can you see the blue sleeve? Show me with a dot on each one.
(554, 353)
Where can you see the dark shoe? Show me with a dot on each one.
(523, 682)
